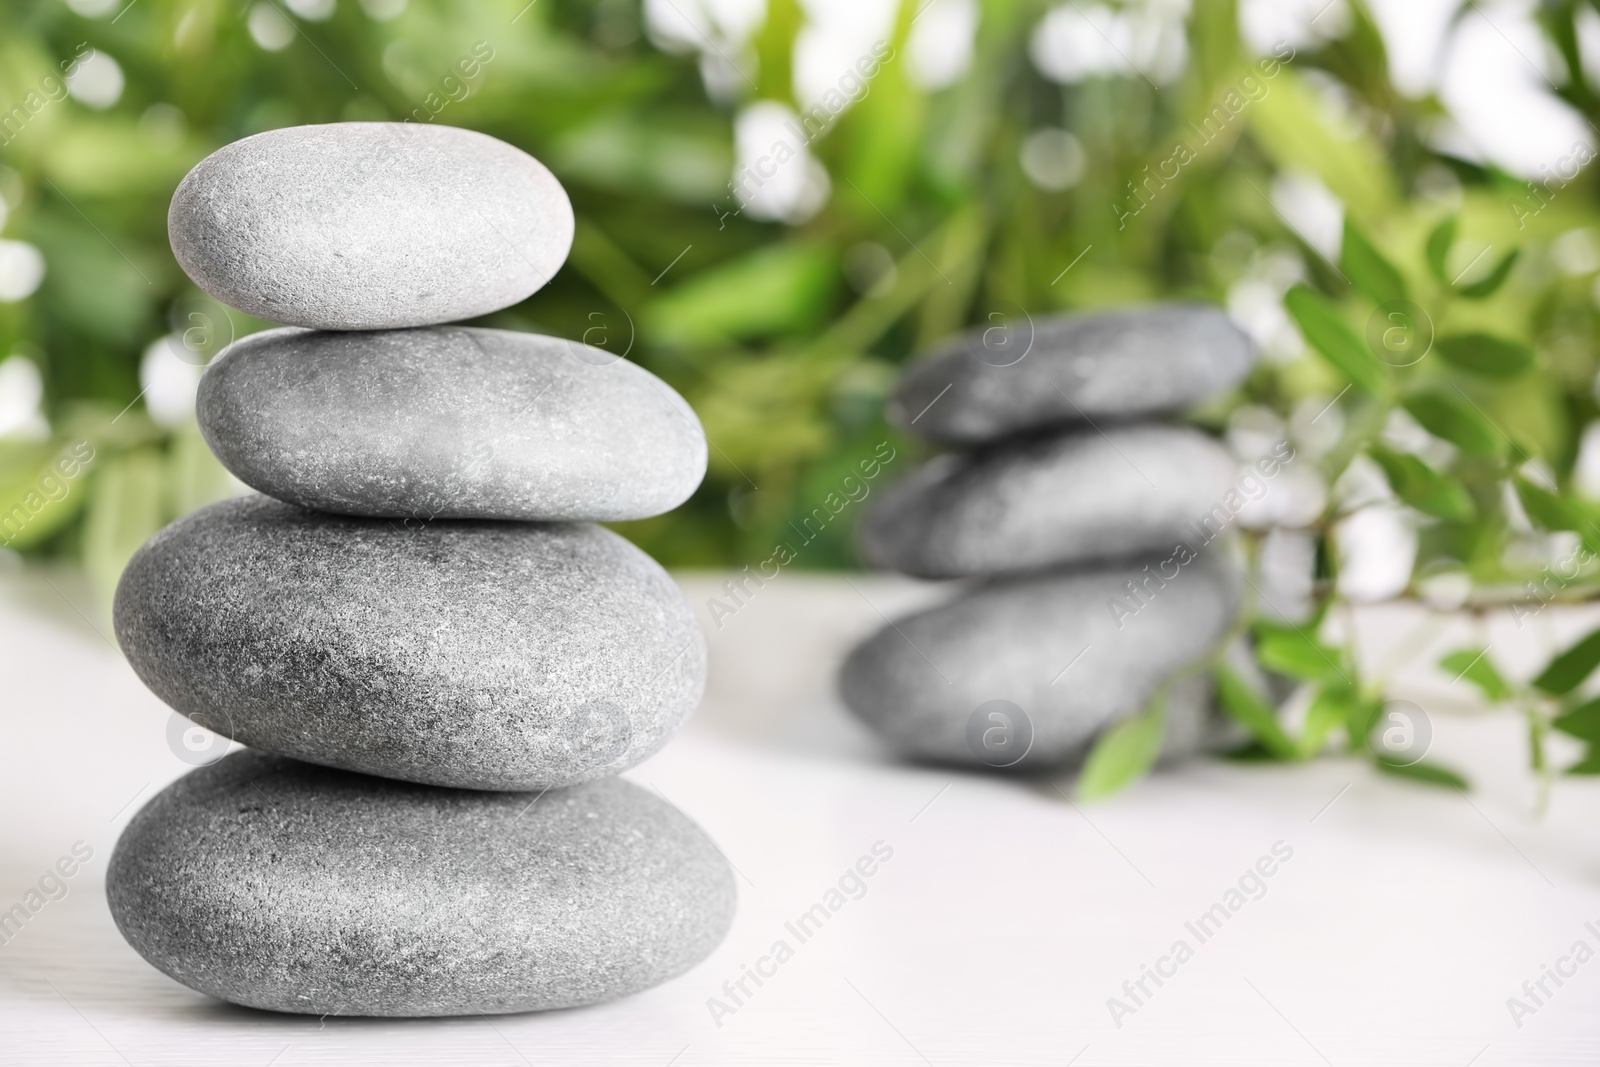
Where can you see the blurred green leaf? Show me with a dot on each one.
(1329, 711)
(1451, 417)
(1300, 132)
(1249, 710)
(1294, 653)
(1325, 330)
(1589, 764)
(1422, 487)
(1567, 671)
(42, 488)
(1364, 715)
(125, 509)
(1426, 773)
(780, 288)
(1373, 275)
(194, 477)
(1440, 239)
(1582, 721)
(1123, 753)
(1486, 286)
(1473, 665)
(1485, 354)
(1547, 510)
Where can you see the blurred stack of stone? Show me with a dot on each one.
(463, 660)
(1086, 527)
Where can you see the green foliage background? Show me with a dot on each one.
(758, 323)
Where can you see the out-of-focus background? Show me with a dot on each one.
(999, 160)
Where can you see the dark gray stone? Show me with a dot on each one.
(450, 422)
(484, 655)
(1072, 497)
(1104, 366)
(369, 225)
(281, 885)
(1068, 653)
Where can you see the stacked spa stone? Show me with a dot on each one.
(1081, 523)
(436, 659)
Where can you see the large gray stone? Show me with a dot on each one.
(1123, 364)
(485, 655)
(369, 225)
(450, 422)
(1075, 496)
(280, 885)
(1064, 654)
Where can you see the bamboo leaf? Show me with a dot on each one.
(1326, 331)
(1485, 287)
(1426, 773)
(1568, 670)
(1582, 722)
(1248, 709)
(125, 509)
(1438, 248)
(1547, 510)
(1472, 664)
(1294, 653)
(1484, 353)
(1373, 275)
(1422, 487)
(1451, 417)
(1124, 753)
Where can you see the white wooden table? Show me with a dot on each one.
(1004, 920)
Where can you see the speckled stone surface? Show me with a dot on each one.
(281, 885)
(1104, 366)
(1073, 496)
(485, 655)
(450, 422)
(368, 225)
(1049, 643)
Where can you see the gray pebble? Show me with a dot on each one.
(1065, 654)
(484, 655)
(1072, 497)
(1108, 365)
(369, 225)
(450, 422)
(276, 884)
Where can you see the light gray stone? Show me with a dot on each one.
(1053, 371)
(450, 422)
(281, 885)
(1072, 497)
(1067, 653)
(369, 225)
(485, 655)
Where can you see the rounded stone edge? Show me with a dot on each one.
(951, 362)
(129, 850)
(127, 621)
(211, 409)
(240, 300)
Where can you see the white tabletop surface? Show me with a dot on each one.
(1005, 919)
